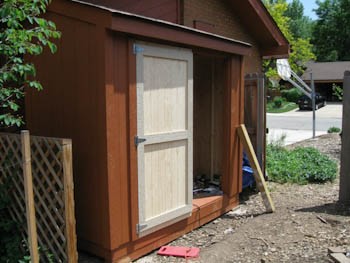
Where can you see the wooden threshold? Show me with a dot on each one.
(204, 210)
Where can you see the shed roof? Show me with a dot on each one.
(252, 13)
(150, 28)
(326, 71)
(257, 19)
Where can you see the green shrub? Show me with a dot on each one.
(291, 95)
(277, 101)
(337, 91)
(301, 165)
(10, 235)
(334, 130)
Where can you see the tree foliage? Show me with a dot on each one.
(23, 32)
(331, 34)
(300, 25)
(286, 16)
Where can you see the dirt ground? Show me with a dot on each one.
(307, 221)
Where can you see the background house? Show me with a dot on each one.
(151, 93)
(325, 74)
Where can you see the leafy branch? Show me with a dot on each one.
(23, 32)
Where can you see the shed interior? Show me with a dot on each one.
(208, 88)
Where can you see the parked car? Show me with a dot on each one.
(305, 102)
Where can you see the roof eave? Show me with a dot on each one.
(254, 15)
(275, 52)
(169, 32)
(150, 28)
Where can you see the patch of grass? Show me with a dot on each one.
(300, 165)
(285, 107)
(334, 130)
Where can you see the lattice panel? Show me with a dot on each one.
(48, 184)
(11, 173)
(49, 159)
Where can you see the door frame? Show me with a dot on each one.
(167, 52)
(233, 103)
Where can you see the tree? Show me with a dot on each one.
(301, 49)
(277, 9)
(300, 25)
(331, 34)
(23, 33)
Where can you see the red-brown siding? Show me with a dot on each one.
(90, 96)
(220, 18)
(167, 10)
(72, 105)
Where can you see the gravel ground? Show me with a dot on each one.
(307, 221)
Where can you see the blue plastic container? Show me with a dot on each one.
(248, 178)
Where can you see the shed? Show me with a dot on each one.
(151, 93)
(325, 74)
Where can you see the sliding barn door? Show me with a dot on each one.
(164, 139)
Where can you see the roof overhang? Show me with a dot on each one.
(166, 31)
(257, 19)
(148, 28)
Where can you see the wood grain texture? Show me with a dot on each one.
(41, 176)
(97, 83)
(165, 177)
(208, 115)
(29, 197)
(70, 225)
(161, 9)
(202, 213)
(258, 175)
(164, 121)
(74, 101)
(232, 155)
(165, 95)
(118, 114)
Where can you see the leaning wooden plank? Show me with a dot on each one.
(339, 258)
(29, 197)
(258, 175)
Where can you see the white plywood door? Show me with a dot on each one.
(164, 139)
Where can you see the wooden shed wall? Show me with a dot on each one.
(118, 129)
(90, 96)
(219, 17)
(168, 10)
(122, 155)
(72, 105)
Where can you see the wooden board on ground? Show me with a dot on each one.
(258, 175)
(339, 258)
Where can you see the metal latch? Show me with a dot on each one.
(138, 49)
(138, 140)
(140, 227)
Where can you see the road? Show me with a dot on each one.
(296, 125)
(328, 116)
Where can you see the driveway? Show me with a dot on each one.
(296, 125)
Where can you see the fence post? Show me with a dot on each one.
(344, 192)
(29, 196)
(71, 248)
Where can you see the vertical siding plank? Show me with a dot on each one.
(233, 107)
(132, 132)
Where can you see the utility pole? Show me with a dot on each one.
(344, 193)
(313, 98)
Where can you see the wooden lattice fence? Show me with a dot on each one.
(39, 172)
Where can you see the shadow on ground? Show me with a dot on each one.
(336, 208)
